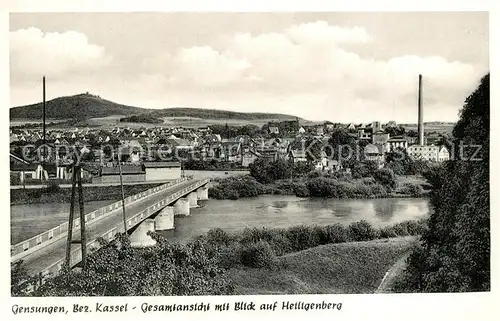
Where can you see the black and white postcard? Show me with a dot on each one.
(195, 164)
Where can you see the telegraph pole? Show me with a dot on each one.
(123, 196)
(44, 149)
(83, 237)
(71, 218)
(44, 141)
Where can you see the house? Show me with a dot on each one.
(302, 130)
(329, 126)
(430, 153)
(297, 155)
(23, 172)
(391, 124)
(249, 157)
(396, 142)
(179, 144)
(364, 134)
(274, 129)
(161, 171)
(232, 150)
(270, 154)
(380, 137)
(351, 127)
(20, 170)
(111, 174)
(374, 153)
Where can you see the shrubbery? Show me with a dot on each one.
(362, 231)
(258, 255)
(117, 269)
(411, 189)
(456, 248)
(236, 187)
(197, 267)
(258, 247)
(328, 187)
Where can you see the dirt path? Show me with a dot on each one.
(395, 270)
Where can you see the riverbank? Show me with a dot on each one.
(246, 186)
(55, 194)
(353, 267)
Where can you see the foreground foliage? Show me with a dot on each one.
(120, 270)
(198, 267)
(455, 256)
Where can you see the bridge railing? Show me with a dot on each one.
(76, 254)
(137, 218)
(36, 242)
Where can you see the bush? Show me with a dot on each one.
(327, 187)
(117, 269)
(315, 174)
(362, 231)
(258, 255)
(281, 244)
(229, 256)
(388, 232)
(415, 190)
(386, 177)
(337, 233)
(302, 237)
(218, 237)
(301, 190)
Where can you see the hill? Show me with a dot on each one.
(354, 267)
(82, 106)
(87, 106)
(215, 114)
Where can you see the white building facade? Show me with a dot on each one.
(430, 153)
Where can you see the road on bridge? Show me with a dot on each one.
(43, 258)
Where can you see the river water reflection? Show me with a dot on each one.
(284, 211)
(263, 211)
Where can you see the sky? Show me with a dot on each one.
(342, 67)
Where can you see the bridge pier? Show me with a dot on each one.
(181, 207)
(140, 238)
(193, 199)
(202, 193)
(165, 219)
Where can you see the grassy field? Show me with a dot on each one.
(354, 267)
(440, 128)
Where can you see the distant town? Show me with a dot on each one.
(159, 153)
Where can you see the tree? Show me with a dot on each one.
(412, 133)
(386, 177)
(117, 269)
(344, 148)
(456, 248)
(395, 131)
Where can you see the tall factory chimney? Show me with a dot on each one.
(43, 111)
(420, 113)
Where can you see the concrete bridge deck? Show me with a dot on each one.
(48, 258)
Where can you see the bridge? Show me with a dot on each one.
(44, 254)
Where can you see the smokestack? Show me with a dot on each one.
(44, 110)
(420, 113)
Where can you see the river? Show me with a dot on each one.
(263, 211)
(29, 220)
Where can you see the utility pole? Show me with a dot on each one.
(123, 197)
(71, 218)
(76, 179)
(83, 238)
(44, 149)
(44, 141)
